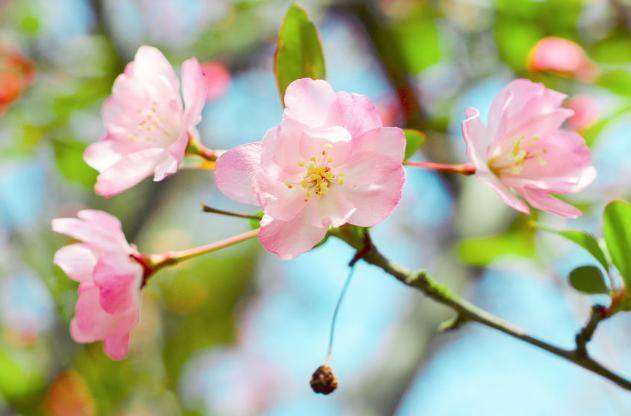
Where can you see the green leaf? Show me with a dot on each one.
(583, 239)
(414, 140)
(617, 81)
(299, 51)
(588, 279)
(416, 31)
(615, 50)
(482, 251)
(592, 133)
(69, 159)
(617, 232)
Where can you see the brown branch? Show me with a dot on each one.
(423, 282)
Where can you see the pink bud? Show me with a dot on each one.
(217, 79)
(563, 57)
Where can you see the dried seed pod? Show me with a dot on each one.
(323, 380)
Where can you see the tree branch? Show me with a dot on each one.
(423, 282)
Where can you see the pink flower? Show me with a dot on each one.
(563, 57)
(147, 126)
(523, 151)
(586, 112)
(109, 280)
(217, 79)
(329, 162)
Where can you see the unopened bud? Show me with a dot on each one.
(323, 380)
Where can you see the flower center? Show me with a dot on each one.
(522, 151)
(319, 176)
(152, 128)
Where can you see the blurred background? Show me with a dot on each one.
(239, 332)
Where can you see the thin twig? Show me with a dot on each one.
(212, 210)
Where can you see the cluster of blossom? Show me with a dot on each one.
(329, 162)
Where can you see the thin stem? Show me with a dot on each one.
(329, 353)
(462, 169)
(158, 261)
(212, 210)
(196, 148)
(598, 314)
(439, 293)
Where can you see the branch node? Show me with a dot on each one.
(452, 324)
(584, 336)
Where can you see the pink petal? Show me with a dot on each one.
(373, 186)
(102, 234)
(194, 91)
(235, 170)
(128, 171)
(106, 152)
(356, 113)
(77, 261)
(117, 346)
(477, 138)
(289, 239)
(309, 101)
(277, 199)
(331, 210)
(387, 141)
(543, 201)
(91, 323)
(503, 191)
(564, 165)
(118, 279)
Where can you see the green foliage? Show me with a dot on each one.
(419, 42)
(298, 51)
(515, 39)
(592, 133)
(482, 251)
(414, 140)
(616, 49)
(588, 279)
(583, 239)
(69, 160)
(617, 81)
(617, 232)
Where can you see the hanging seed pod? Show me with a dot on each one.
(323, 380)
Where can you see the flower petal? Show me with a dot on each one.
(194, 91)
(118, 279)
(77, 261)
(128, 171)
(373, 185)
(309, 101)
(289, 239)
(387, 141)
(356, 113)
(503, 191)
(477, 138)
(542, 200)
(235, 170)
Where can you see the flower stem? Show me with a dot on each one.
(156, 262)
(212, 210)
(462, 169)
(208, 156)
